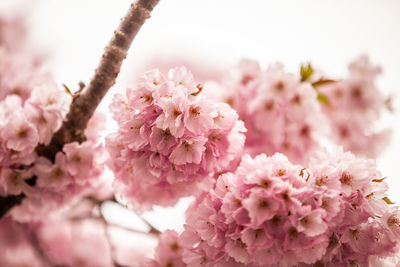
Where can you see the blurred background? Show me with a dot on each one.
(330, 34)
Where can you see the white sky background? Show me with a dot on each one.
(328, 33)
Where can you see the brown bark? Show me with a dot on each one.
(6, 203)
(84, 104)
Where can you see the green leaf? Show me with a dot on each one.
(323, 99)
(306, 70)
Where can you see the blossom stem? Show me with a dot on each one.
(107, 236)
(112, 225)
(153, 230)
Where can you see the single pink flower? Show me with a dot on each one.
(188, 151)
(19, 132)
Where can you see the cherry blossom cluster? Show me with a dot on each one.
(273, 213)
(25, 126)
(354, 106)
(291, 114)
(74, 174)
(281, 113)
(32, 109)
(170, 140)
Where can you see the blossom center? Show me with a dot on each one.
(58, 172)
(263, 203)
(265, 184)
(177, 112)
(346, 178)
(246, 79)
(174, 247)
(393, 220)
(281, 172)
(280, 86)
(147, 98)
(195, 111)
(22, 133)
(321, 181)
(269, 105)
(356, 92)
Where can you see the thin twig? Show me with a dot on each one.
(6, 203)
(106, 225)
(108, 237)
(153, 229)
(99, 203)
(131, 230)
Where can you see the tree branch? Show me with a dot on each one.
(6, 203)
(84, 105)
(100, 217)
(153, 229)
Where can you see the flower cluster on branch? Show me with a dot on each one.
(267, 156)
(171, 141)
(273, 213)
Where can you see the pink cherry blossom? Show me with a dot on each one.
(169, 250)
(53, 175)
(19, 132)
(252, 204)
(171, 141)
(172, 119)
(272, 212)
(46, 108)
(84, 160)
(13, 181)
(261, 206)
(198, 118)
(188, 151)
(281, 113)
(355, 105)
